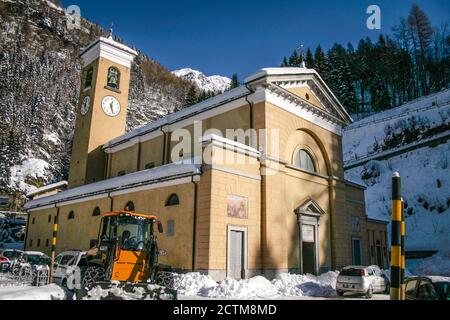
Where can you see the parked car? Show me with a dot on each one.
(362, 280)
(34, 258)
(9, 255)
(65, 264)
(428, 288)
(8, 258)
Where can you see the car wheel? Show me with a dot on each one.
(340, 293)
(369, 293)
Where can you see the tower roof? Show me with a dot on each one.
(110, 49)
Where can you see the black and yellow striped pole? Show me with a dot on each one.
(402, 279)
(396, 250)
(53, 255)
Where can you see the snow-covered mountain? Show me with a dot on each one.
(414, 140)
(216, 84)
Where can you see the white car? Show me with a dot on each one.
(362, 280)
(65, 264)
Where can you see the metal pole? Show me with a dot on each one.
(402, 279)
(396, 250)
(53, 255)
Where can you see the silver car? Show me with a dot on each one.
(362, 280)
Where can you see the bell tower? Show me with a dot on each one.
(102, 108)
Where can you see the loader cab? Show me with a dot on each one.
(127, 245)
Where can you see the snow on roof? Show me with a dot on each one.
(112, 43)
(279, 72)
(168, 172)
(47, 188)
(216, 101)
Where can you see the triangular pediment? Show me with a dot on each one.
(310, 208)
(305, 87)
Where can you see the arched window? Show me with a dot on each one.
(305, 161)
(89, 76)
(173, 200)
(129, 207)
(96, 212)
(71, 215)
(113, 78)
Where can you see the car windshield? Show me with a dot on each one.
(32, 258)
(11, 255)
(444, 289)
(351, 272)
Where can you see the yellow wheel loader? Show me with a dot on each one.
(126, 258)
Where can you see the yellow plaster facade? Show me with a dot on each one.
(260, 213)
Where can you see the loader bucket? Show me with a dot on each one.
(126, 291)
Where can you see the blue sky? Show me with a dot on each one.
(226, 37)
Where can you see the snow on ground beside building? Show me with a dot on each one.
(51, 292)
(195, 284)
(426, 190)
(437, 265)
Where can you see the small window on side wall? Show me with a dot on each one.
(96, 212)
(129, 207)
(170, 228)
(71, 215)
(173, 200)
(305, 161)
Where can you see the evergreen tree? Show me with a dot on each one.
(309, 59)
(234, 81)
(192, 96)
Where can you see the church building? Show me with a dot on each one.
(248, 182)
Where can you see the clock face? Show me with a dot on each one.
(111, 106)
(85, 106)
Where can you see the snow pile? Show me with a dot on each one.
(307, 285)
(437, 265)
(51, 292)
(191, 284)
(254, 288)
(117, 291)
(214, 84)
(195, 284)
(426, 190)
(98, 293)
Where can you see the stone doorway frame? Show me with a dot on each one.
(309, 214)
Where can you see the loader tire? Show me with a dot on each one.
(91, 276)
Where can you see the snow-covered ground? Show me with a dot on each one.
(51, 292)
(437, 265)
(215, 84)
(197, 286)
(424, 169)
(426, 190)
(405, 125)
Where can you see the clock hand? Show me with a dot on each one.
(111, 107)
